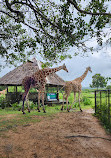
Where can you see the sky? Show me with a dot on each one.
(77, 66)
(99, 62)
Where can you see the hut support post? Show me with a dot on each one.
(16, 94)
(57, 93)
(7, 89)
(6, 94)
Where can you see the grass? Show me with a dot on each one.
(10, 118)
(89, 94)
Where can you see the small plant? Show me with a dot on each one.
(2, 88)
(2, 97)
(102, 113)
(16, 106)
(76, 105)
(30, 103)
(86, 101)
(3, 102)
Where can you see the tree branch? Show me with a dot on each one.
(7, 14)
(16, 20)
(40, 13)
(42, 27)
(19, 14)
(86, 12)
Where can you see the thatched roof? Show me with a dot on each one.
(15, 77)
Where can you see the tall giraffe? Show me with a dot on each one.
(75, 86)
(38, 80)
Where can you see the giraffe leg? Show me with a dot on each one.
(74, 96)
(43, 102)
(63, 103)
(67, 103)
(79, 101)
(38, 102)
(23, 107)
(27, 102)
(24, 98)
(74, 100)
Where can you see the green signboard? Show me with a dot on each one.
(51, 96)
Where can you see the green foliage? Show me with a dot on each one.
(103, 111)
(102, 114)
(98, 81)
(19, 89)
(13, 89)
(18, 106)
(50, 29)
(16, 40)
(86, 101)
(15, 106)
(3, 102)
(87, 98)
(108, 87)
(2, 88)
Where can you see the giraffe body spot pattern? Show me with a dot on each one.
(38, 80)
(76, 87)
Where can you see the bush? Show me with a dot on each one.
(86, 101)
(3, 102)
(2, 88)
(102, 114)
(18, 106)
(108, 87)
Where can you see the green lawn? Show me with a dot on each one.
(10, 118)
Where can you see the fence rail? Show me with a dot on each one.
(103, 106)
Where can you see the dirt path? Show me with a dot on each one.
(66, 135)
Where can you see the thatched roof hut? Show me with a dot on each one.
(15, 77)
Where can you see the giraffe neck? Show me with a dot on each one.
(84, 75)
(81, 78)
(52, 70)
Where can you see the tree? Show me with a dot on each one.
(98, 81)
(50, 28)
(108, 87)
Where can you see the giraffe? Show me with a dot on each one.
(38, 80)
(75, 86)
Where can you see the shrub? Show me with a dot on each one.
(2, 88)
(86, 101)
(2, 97)
(18, 106)
(102, 114)
(108, 87)
(3, 102)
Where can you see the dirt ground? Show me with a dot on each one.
(65, 135)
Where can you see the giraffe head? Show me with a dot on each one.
(89, 69)
(64, 68)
